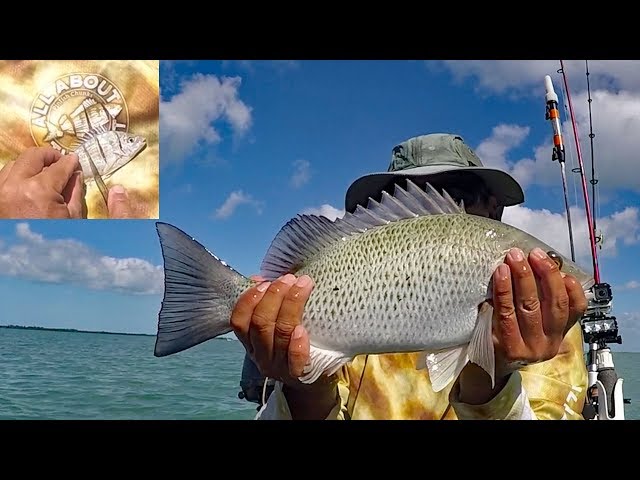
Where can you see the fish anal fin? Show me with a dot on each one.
(481, 348)
(444, 366)
(323, 362)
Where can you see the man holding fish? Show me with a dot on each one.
(43, 183)
(539, 366)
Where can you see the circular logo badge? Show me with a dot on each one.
(73, 105)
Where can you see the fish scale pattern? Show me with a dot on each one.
(399, 286)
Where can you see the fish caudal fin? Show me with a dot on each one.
(321, 362)
(199, 293)
(445, 365)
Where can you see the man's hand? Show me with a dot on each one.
(534, 307)
(119, 204)
(267, 319)
(42, 183)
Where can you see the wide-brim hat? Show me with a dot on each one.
(426, 157)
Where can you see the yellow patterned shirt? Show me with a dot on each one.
(389, 387)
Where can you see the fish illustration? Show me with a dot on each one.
(110, 150)
(88, 116)
(411, 273)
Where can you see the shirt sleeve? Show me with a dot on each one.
(511, 403)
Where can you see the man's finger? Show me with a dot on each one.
(526, 301)
(298, 354)
(4, 173)
(242, 312)
(119, 204)
(263, 320)
(59, 174)
(508, 331)
(577, 301)
(33, 160)
(290, 316)
(74, 196)
(555, 300)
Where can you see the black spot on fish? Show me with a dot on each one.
(335, 289)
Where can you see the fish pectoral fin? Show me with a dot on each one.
(444, 366)
(481, 349)
(323, 361)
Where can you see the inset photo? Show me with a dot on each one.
(79, 139)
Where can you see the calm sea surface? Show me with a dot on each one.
(68, 375)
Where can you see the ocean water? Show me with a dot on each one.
(73, 375)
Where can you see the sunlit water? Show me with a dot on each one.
(69, 375)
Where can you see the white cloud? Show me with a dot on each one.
(325, 210)
(616, 121)
(615, 93)
(620, 227)
(630, 285)
(35, 257)
(233, 201)
(301, 174)
(187, 119)
(526, 77)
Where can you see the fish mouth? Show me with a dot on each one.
(140, 149)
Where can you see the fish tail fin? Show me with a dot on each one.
(66, 125)
(200, 292)
(53, 132)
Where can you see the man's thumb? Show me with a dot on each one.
(119, 206)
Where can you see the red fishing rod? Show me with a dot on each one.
(592, 238)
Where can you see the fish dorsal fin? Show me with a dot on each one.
(97, 130)
(87, 102)
(94, 132)
(306, 235)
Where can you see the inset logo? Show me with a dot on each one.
(64, 111)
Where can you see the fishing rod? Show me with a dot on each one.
(558, 150)
(604, 399)
(592, 240)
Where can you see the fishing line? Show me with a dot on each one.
(594, 180)
(594, 253)
(569, 147)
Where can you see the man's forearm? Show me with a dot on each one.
(311, 402)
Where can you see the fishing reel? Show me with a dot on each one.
(598, 325)
(254, 386)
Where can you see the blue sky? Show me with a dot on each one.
(246, 145)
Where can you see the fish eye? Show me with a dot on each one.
(555, 257)
(131, 140)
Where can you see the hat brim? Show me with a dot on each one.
(502, 185)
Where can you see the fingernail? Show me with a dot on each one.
(503, 272)
(263, 286)
(288, 279)
(516, 254)
(538, 253)
(118, 190)
(297, 332)
(303, 281)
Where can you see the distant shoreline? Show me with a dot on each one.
(22, 327)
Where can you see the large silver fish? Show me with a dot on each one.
(109, 150)
(409, 274)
